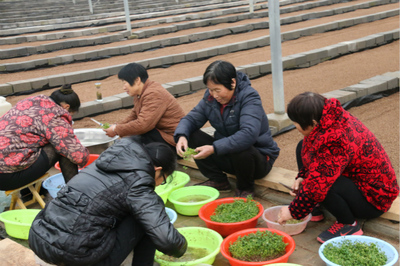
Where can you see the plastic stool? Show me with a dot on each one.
(34, 187)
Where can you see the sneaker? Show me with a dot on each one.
(317, 215)
(244, 193)
(338, 229)
(224, 186)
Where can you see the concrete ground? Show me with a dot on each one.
(306, 252)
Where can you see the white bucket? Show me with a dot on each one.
(4, 106)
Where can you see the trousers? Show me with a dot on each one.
(247, 165)
(47, 158)
(130, 237)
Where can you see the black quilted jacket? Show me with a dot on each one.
(77, 227)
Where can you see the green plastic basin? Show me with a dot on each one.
(197, 237)
(18, 222)
(192, 208)
(177, 180)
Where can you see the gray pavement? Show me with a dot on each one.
(306, 252)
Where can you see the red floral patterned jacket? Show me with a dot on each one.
(30, 125)
(341, 145)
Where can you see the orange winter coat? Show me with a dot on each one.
(154, 108)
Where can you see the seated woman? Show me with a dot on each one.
(155, 113)
(242, 144)
(343, 167)
(35, 134)
(109, 209)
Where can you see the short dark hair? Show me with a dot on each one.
(131, 72)
(220, 72)
(306, 107)
(67, 95)
(162, 155)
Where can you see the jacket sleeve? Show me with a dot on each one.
(153, 108)
(61, 136)
(132, 116)
(148, 208)
(251, 113)
(193, 121)
(326, 163)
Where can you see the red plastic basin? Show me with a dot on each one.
(225, 229)
(92, 158)
(233, 237)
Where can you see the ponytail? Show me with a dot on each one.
(67, 95)
(162, 155)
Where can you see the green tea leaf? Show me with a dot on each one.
(189, 154)
(237, 211)
(259, 246)
(349, 253)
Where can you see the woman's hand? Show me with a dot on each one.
(296, 186)
(284, 215)
(111, 131)
(204, 152)
(181, 146)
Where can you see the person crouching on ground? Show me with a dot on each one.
(242, 144)
(35, 134)
(342, 165)
(155, 113)
(109, 209)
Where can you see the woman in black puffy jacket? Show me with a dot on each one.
(109, 209)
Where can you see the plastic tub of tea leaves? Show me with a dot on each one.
(203, 246)
(292, 227)
(251, 240)
(357, 250)
(227, 228)
(189, 200)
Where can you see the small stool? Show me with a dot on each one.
(34, 187)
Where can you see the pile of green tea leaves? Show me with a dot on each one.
(106, 125)
(191, 254)
(189, 154)
(237, 211)
(349, 253)
(259, 246)
(293, 221)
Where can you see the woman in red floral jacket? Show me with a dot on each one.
(35, 134)
(342, 166)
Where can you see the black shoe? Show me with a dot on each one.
(244, 193)
(338, 229)
(317, 215)
(224, 186)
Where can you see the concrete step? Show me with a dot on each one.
(57, 20)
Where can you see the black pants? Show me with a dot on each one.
(344, 200)
(16, 180)
(247, 165)
(153, 136)
(47, 158)
(131, 237)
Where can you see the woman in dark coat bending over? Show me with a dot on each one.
(109, 209)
